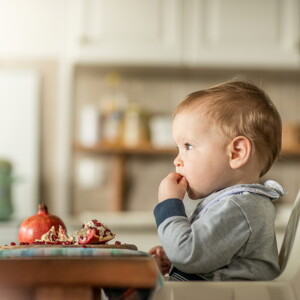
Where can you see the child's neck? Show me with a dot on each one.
(245, 175)
(247, 179)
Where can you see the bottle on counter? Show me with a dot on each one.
(161, 131)
(112, 121)
(135, 131)
(113, 104)
(89, 126)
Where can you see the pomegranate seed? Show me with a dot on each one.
(117, 243)
(24, 243)
(13, 244)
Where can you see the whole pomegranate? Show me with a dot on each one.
(35, 226)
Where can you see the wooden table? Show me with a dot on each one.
(43, 278)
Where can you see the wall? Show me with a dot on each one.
(159, 91)
(48, 71)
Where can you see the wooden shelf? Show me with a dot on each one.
(290, 152)
(121, 149)
(148, 149)
(290, 139)
(119, 155)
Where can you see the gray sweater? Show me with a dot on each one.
(230, 235)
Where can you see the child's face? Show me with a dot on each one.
(203, 157)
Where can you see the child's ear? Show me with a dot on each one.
(239, 151)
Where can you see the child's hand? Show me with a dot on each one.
(161, 258)
(172, 186)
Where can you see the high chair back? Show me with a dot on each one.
(290, 248)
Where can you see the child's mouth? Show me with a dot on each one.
(179, 178)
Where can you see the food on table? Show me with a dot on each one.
(94, 232)
(35, 226)
(56, 237)
(44, 228)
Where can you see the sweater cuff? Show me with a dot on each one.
(168, 208)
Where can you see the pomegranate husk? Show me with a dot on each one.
(92, 238)
(35, 226)
(92, 235)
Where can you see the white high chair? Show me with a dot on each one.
(285, 287)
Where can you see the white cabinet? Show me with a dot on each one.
(241, 33)
(131, 31)
(194, 33)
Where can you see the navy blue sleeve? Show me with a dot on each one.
(168, 208)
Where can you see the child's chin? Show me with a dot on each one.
(192, 195)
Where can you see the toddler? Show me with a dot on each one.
(228, 137)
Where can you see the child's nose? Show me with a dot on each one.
(178, 162)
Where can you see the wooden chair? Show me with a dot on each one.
(285, 287)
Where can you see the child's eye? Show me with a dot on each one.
(188, 146)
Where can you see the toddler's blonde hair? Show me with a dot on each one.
(240, 108)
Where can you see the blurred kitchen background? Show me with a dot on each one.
(87, 90)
